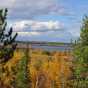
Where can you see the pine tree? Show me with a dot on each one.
(84, 32)
(7, 40)
(81, 51)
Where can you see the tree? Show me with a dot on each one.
(7, 40)
(81, 51)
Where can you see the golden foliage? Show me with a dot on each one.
(46, 70)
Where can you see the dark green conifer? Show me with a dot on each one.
(7, 40)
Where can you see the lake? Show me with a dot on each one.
(53, 48)
(62, 47)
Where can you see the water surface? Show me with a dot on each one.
(53, 48)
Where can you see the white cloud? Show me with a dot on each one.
(26, 9)
(36, 26)
(28, 33)
(7, 3)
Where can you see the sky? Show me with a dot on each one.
(46, 20)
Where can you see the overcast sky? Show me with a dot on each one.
(46, 20)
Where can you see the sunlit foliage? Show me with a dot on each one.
(44, 70)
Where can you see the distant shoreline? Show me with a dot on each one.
(45, 43)
(48, 46)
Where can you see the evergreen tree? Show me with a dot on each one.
(84, 32)
(81, 51)
(7, 40)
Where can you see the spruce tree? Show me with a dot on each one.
(7, 39)
(81, 51)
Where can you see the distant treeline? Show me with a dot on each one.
(44, 43)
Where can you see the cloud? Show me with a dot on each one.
(33, 30)
(7, 3)
(74, 29)
(28, 34)
(62, 36)
(24, 13)
(28, 9)
(37, 26)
